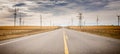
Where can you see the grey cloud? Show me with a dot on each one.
(18, 15)
(20, 4)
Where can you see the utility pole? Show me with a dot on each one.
(97, 20)
(118, 20)
(80, 20)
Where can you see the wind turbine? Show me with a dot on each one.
(97, 20)
(71, 21)
(40, 20)
(80, 20)
(20, 20)
(15, 14)
(118, 19)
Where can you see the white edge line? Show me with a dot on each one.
(23, 38)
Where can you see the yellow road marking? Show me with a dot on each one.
(66, 36)
(65, 43)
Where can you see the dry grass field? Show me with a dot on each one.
(8, 32)
(108, 31)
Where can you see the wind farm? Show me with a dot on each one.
(59, 27)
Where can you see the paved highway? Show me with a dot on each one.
(61, 41)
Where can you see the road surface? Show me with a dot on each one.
(61, 41)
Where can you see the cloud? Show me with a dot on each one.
(113, 5)
(61, 9)
(20, 4)
(18, 15)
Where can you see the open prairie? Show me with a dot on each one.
(108, 31)
(8, 32)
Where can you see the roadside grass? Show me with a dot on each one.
(107, 31)
(9, 32)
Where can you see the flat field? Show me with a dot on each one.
(8, 32)
(108, 31)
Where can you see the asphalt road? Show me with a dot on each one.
(61, 41)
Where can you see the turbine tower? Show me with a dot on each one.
(84, 22)
(40, 20)
(15, 14)
(97, 20)
(118, 20)
(20, 20)
(71, 21)
(80, 20)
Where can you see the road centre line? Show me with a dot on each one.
(66, 51)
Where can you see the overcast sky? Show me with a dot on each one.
(60, 12)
